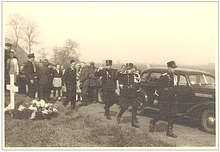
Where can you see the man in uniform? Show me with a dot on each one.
(108, 85)
(30, 70)
(129, 91)
(168, 105)
(69, 78)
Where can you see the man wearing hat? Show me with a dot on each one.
(168, 104)
(30, 70)
(108, 85)
(69, 79)
(129, 90)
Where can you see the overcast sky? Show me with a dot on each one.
(139, 32)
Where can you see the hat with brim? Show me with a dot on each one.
(92, 63)
(8, 44)
(108, 62)
(129, 65)
(171, 64)
(31, 55)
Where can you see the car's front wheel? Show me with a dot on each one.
(208, 121)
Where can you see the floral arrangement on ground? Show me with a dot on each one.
(35, 110)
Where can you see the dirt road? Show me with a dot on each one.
(188, 136)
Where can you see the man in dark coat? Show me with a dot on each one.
(168, 104)
(43, 81)
(50, 67)
(108, 85)
(84, 83)
(7, 52)
(93, 83)
(129, 92)
(30, 70)
(69, 78)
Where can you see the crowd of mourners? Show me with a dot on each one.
(82, 82)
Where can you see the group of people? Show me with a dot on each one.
(82, 82)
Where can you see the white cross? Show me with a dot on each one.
(12, 89)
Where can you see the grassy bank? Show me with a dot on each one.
(73, 129)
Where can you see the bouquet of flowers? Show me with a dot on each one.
(35, 110)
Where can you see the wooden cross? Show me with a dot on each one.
(12, 89)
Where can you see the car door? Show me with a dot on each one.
(183, 94)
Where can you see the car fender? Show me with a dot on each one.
(196, 111)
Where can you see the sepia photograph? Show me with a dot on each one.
(107, 75)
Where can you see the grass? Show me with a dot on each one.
(72, 129)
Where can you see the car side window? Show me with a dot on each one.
(182, 80)
(154, 77)
(145, 77)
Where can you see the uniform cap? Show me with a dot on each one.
(171, 64)
(108, 62)
(129, 65)
(92, 63)
(31, 55)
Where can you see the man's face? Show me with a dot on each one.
(11, 55)
(72, 65)
(171, 70)
(108, 67)
(83, 64)
(129, 70)
(32, 59)
(58, 67)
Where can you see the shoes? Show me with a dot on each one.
(106, 114)
(135, 125)
(65, 103)
(83, 104)
(59, 98)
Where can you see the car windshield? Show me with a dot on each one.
(201, 79)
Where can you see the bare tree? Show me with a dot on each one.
(15, 22)
(66, 53)
(30, 33)
(42, 53)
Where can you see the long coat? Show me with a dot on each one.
(30, 70)
(109, 79)
(93, 80)
(167, 98)
(69, 78)
(43, 75)
(84, 77)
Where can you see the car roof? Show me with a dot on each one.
(183, 71)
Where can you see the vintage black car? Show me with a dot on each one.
(195, 91)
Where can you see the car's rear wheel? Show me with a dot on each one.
(208, 121)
